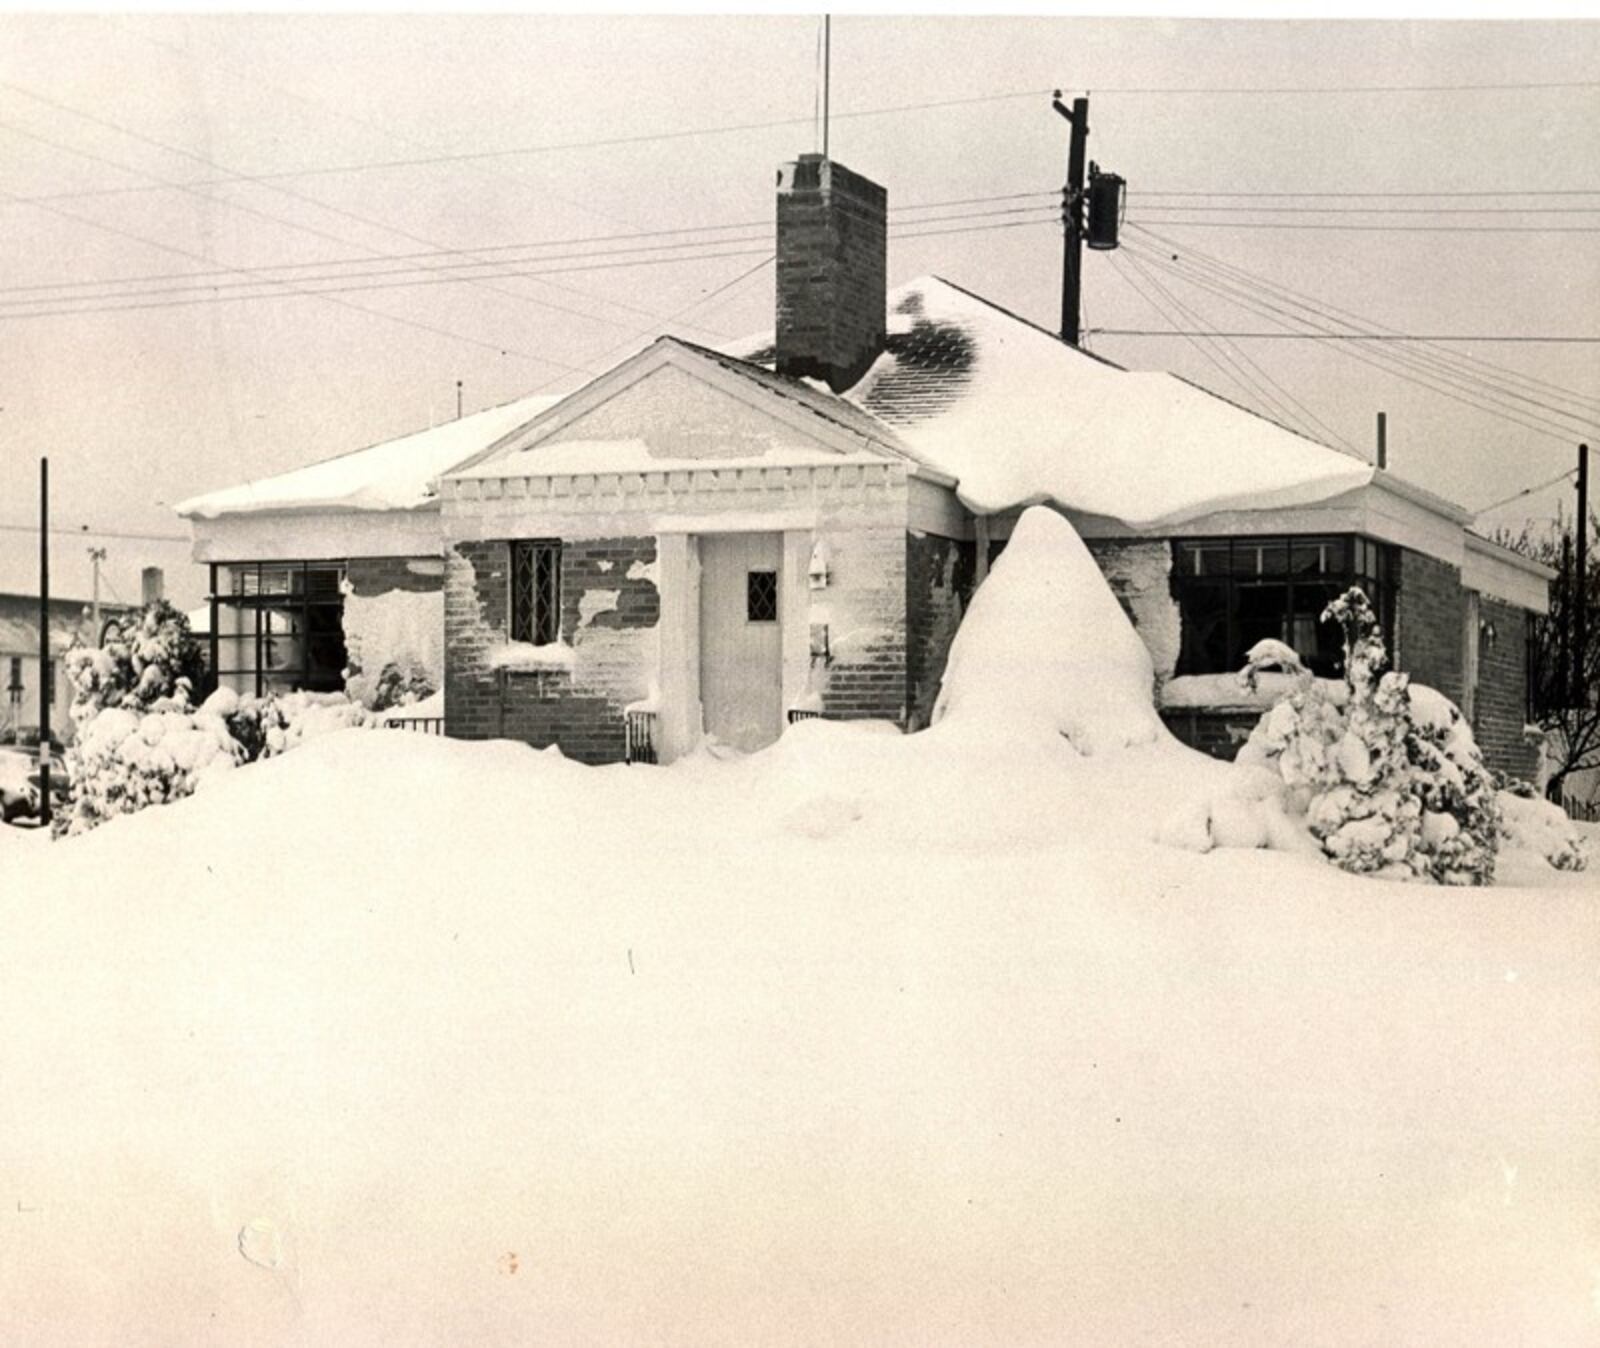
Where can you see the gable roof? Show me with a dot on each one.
(831, 425)
(393, 475)
(1018, 416)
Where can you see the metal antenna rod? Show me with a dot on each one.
(827, 75)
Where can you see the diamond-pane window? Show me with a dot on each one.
(761, 596)
(536, 591)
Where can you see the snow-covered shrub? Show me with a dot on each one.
(124, 760)
(267, 726)
(1530, 822)
(152, 657)
(140, 741)
(1391, 782)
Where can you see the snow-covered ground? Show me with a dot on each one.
(866, 1039)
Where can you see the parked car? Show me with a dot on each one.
(19, 797)
(19, 783)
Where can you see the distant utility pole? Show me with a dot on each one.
(1580, 604)
(1383, 439)
(1104, 214)
(96, 556)
(458, 400)
(44, 641)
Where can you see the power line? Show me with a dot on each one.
(1455, 360)
(1408, 360)
(287, 285)
(1526, 491)
(1520, 86)
(1498, 192)
(310, 288)
(1379, 229)
(1352, 336)
(469, 251)
(85, 531)
(1527, 420)
(551, 147)
(1384, 210)
(92, 119)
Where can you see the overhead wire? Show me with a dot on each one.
(1454, 388)
(93, 119)
(1395, 362)
(305, 270)
(369, 281)
(1460, 361)
(1526, 491)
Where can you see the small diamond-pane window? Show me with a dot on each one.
(761, 596)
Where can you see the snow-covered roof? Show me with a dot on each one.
(394, 475)
(1017, 416)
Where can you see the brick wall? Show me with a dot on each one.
(371, 576)
(1429, 611)
(1502, 696)
(864, 610)
(1139, 573)
(939, 575)
(831, 271)
(1218, 733)
(610, 608)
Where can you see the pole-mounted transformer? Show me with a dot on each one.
(1106, 197)
(1093, 216)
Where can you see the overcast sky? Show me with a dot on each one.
(156, 148)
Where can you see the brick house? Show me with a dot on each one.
(701, 543)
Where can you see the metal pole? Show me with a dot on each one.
(1072, 211)
(1383, 439)
(1565, 675)
(44, 641)
(95, 555)
(1581, 591)
(827, 76)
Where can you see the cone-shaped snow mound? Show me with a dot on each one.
(1046, 648)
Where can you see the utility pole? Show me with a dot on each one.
(1072, 215)
(1565, 670)
(458, 400)
(96, 556)
(1581, 595)
(44, 641)
(1383, 439)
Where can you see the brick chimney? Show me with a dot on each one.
(832, 271)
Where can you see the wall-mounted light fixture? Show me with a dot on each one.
(1487, 633)
(819, 643)
(818, 574)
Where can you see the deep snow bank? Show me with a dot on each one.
(401, 1040)
(1046, 649)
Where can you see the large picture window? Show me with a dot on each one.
(536, 590)
(278, 626)
(1233, 592)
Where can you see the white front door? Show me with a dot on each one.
(740, 638)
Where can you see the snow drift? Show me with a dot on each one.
(1046, 649)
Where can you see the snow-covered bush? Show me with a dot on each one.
(123, 760)
(1530, 822)
(151, 658)
(140, 741)
(1391, 782)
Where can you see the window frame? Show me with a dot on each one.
(534, 616)
(299, 601)
(1368, 562)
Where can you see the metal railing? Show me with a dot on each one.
(639, 742)
(423, 725)
(1586, 810)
